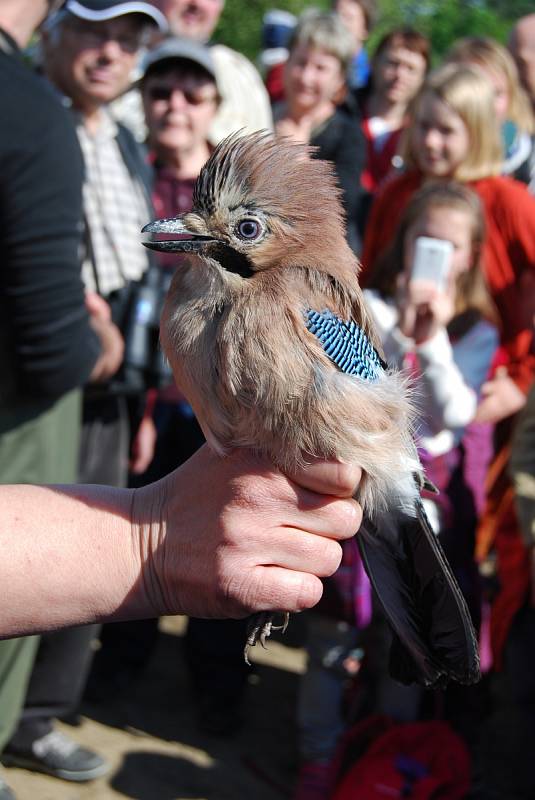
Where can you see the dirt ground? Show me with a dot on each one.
(156, 750)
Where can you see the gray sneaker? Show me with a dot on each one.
(57, 755)
(5, 792)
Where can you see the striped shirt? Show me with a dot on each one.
(115, 210)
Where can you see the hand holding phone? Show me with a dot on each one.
(432, 261)
(426, 303)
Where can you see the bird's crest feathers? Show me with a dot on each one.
(274, 174)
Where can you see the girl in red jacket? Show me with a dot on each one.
(455, 135)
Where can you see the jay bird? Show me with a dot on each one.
(267, 332)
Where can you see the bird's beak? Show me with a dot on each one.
(186, 241)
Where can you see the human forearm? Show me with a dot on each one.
(452, 402)
(441, 390)
(71, 559)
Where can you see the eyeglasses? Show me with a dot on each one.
(193, 97)
(96, 36)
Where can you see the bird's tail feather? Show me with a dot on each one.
(434, 639)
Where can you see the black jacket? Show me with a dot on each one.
(46, 344)
(341, 141)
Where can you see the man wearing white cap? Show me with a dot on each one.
(244, 99)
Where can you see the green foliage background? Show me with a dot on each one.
(442, 20)
(241, 21)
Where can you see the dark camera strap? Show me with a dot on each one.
(8, 45)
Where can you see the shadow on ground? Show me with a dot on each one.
(259, 760)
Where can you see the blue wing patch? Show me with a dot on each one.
(346, 344)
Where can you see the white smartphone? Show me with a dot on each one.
(432, 260)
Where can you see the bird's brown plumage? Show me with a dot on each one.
(239, 346)
(268, 230)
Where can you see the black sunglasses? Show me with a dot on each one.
(191, 96)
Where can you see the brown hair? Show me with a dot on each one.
(470, 95)
(471, 289)
(407, 38)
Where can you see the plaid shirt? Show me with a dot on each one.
(115, 209)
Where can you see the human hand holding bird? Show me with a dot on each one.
(269, 338)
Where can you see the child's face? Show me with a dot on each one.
(439, 138)
(450, 224)
(312, 77)
(179, 109)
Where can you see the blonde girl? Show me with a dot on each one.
(443, 333)
(511, 103)
(454, 135)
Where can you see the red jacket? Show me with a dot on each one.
(378, 162)
(509, 263)
(508, 253)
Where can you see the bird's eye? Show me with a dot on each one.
(248, 229)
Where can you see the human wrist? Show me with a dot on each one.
(108, 583)
(110, 512)
(149, 530)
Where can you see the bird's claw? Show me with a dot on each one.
(265, 633)
(286, 620)
(260, 627)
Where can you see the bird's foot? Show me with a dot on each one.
(259, 629)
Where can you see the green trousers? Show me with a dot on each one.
(39, 443)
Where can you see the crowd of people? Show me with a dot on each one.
(106, 127)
